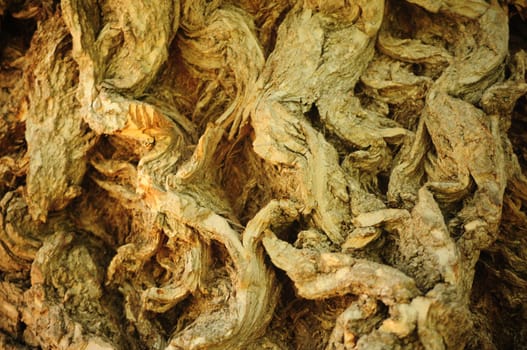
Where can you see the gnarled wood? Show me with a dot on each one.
(277, 174)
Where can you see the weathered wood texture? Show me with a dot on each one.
(276, 174)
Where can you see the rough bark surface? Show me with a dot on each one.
(276, 174)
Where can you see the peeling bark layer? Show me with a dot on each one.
(236, 174)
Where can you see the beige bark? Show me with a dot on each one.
(277, 174)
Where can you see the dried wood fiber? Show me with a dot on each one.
(276, 174)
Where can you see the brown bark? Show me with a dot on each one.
(277, 174)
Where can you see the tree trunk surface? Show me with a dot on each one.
(275, 174)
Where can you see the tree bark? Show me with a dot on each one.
(276, 174)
